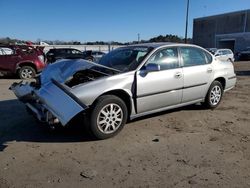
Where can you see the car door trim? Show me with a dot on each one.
(166, 91)
(233, 77)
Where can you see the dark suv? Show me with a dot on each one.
(25, 61)
(243, 55)
(93, 55)
(66, 53)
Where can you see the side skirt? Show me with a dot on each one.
(165, 108)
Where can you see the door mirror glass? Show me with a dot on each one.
(151, 67)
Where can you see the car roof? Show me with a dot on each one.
(64, 49)
(159, 44)
(224, 49)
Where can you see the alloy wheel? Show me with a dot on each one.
(110, 118)
(215, 95)
(27, 73)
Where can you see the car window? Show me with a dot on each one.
(208, 57)
(192, 56)
(76, 52)
(224, 52)
(6, 51)
(218, 52)
(167, 58)
(229, 52)
(51, 51)
(87, 53)
(61, 51)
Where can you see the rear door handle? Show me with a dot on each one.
(177, 75)
(209, 70)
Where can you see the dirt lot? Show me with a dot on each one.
(188, 147)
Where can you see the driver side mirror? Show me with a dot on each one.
(151, 67)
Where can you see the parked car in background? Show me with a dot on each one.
(243, 55)
(63, 53)
(93, 55)
(212, 50)
(224, 55)
(25, 61)
(127, 83)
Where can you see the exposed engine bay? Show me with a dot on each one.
(83, 76)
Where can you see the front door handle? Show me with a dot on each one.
(178, 75)
(209, 70)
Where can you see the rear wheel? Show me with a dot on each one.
(90, 59)
(26, 72)
(214, 95)
(108, 116)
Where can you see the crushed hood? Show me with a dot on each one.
(63, 69)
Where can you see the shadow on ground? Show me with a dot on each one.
(10, 77)
(17, 125)
(243, 73)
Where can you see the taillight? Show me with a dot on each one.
(41, 58)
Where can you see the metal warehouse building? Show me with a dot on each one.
(230, 30)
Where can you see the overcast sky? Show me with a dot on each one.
(105, 20)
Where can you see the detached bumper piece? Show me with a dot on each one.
(42, 114)
(52, 103)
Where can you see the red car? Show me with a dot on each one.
(25, 61)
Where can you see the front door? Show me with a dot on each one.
(162, 88)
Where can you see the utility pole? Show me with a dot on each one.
(186, 21)
(138, 35)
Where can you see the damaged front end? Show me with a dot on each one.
(52, 103)
(50, 98)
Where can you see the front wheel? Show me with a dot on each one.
(214, 95)
(108, 116)
(90, 59)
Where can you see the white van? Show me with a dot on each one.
(224, 55)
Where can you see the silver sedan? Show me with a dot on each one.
(127, 83)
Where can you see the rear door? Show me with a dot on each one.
(198, 73)
(159, 89)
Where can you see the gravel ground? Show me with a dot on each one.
(186, 147)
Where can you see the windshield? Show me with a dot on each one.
(125, 59)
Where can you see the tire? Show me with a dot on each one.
(230, 60)
(90, 59)
(26, 72)
(105, 124)
(214, 95)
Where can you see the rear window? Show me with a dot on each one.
(208, 57)
(6, 51)
(229, 52)
(193, 56)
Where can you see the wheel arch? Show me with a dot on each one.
(25, 63)
(222, 80)
(122, 95)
